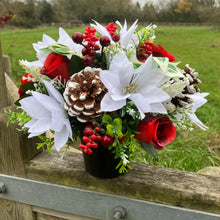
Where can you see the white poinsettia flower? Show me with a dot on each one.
(128, 36)
(66, 40)
(140, 85)
(198, 101)
(47, 113)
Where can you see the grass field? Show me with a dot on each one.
(197, 46)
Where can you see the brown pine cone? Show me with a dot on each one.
(83, 94)
(181, 99)
(191, 75)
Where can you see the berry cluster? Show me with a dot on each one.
(91, 45)
(6, 18)
(91, 136)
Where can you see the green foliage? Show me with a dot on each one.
(17, 117)
(76, 65)
(46, 143)
(150, 149)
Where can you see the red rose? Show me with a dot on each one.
(25, 79)
(158, 131)
(159, 51)
(56, 65)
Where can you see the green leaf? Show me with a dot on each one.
(76, 65)
(107, 119)
(28, 86)
(150, 149)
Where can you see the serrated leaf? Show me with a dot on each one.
(76, 65)
(150, 149)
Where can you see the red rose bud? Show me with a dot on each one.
(56, 65)
(25, 79)
(77, 38)
(158, 131)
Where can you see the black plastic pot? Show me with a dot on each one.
(101, 163)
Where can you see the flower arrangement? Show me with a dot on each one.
(110, 87)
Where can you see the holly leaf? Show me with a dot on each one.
(76, 65)
(150, 149)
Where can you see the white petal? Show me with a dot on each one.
(121, 66)
(46, 101)
(111, 81)
(195, 119)
(34, 108)
(102, 30)
(108, 104)
(158, 108)
(53, 92)
(40, 126)
(198, 100)
(60, 138)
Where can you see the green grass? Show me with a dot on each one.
(197, 46)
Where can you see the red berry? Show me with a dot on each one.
(84, 51)
(98, 138)
(85, 139)
(92, 53)
(77, 37)
(97, 129)
(87, 128)
(93, 137)
(96, 47)
(87, 60)
(104, 41)
(115, 37)
(94, 145)
(107, 140)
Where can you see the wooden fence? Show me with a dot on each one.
(29, 177)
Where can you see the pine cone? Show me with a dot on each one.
(191, 75)
(83, 94)
(181, 99)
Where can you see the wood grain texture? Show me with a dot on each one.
(162, 185)
(46, 214)
(12, 90)
(15, 148)
(10, 210)
(3, 90)
(7, 65)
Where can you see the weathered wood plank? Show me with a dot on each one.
(12, 90)
(46, 214)
(7, 65)
(10, 210)
(3, 90)
(162, 185)
(15, 148)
